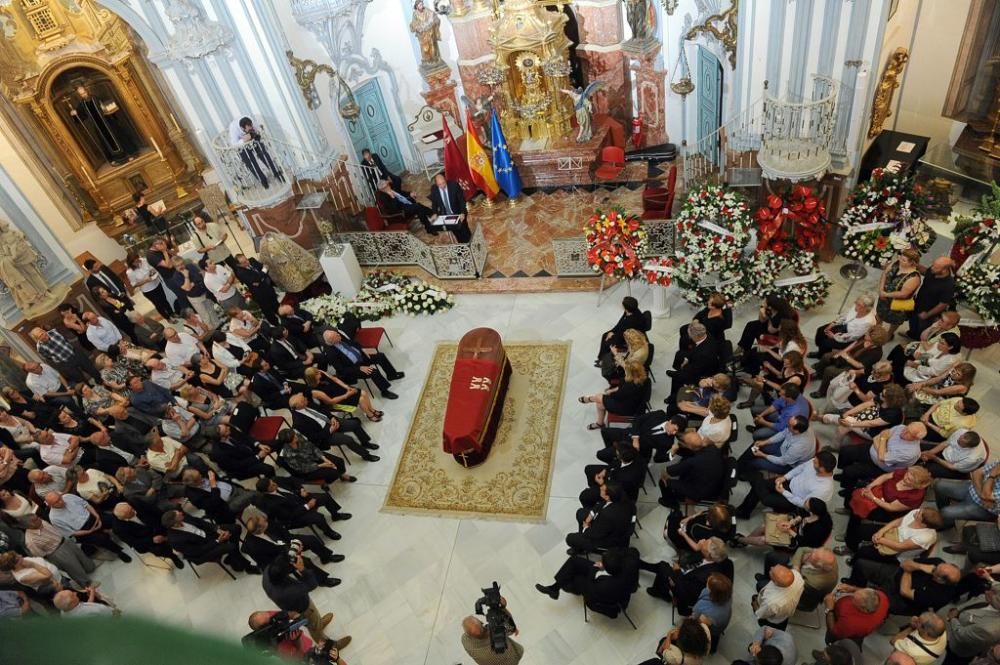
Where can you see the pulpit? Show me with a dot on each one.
(475, 399)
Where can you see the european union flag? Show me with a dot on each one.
(503, 164)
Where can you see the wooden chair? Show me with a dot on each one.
(611, 165)
(658, 202)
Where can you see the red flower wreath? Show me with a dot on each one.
(798, 219)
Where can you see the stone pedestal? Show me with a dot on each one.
(601, 34)
(441, 95)
(650, 88)
(342, 270)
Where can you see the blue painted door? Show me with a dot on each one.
(709, 88)
(372, 128)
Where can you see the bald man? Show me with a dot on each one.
(895, 448)
(924, 640)
(935, 295)
(775, 603)
(476, 641)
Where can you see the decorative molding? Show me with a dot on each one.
(881, 106)
(194, 35)
(727, 35)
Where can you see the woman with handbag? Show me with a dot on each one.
(869, 419)
(810, 526)
(956, 382)
(853, 387)
(860, 355)
(882, 500)
(899, 283)
(685, 533)
(905, 537)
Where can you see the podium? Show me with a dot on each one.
(342, 269)
(479, 384)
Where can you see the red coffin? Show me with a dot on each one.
(475, 399)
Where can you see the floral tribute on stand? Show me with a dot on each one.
(805, 288)
(979, 231)
(616, 242)
(714, 232)
(794, 221)
(382, 294)
(885, 215)
(658, 270)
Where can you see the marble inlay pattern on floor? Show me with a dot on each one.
(409, 581)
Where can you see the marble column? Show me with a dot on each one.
(600, 49)
(650, 88)
(472, 32)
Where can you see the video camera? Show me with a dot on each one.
(499, 622)
(274, 631)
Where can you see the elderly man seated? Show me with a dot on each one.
(141, 536)
(181, 347)
(72, 516)
(682, 582)
(147, 397)
(781, 452)
(847, 328)
(818, 567)
(895, 448)
(101, 332)
(609, 581)
(83, 603)
(47, 385)
(925, 639)
(167, 376)
(201, 540)
(607, 524)
(352, 363)
(778, 596)
(698, 473)
(265, 541)
(222, 500)
(853, 613)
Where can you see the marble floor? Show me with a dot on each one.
(409, 581)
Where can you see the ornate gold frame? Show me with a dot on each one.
(727, 35)
(881, 106)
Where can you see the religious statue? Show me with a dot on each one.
(637, 15)
(19, 269)
(480, 110)
(583, 108)
(426, 25)
(105, 128)
(290, 266)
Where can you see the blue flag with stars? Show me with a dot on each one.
(503, 164)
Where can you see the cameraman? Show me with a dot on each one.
(476, 641)
(294, 645)
(244, 136)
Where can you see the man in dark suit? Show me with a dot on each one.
(606, 525)
(606, 582)
(296, 508)
(239, 457)
(201, 540)
(265, 540)
(649, 432)
(696, 475)
(286, 357)
(327, 431)
(251, 272)
(378, 170)
(694, 363)
(682, 584)
(351, 363)
(447, 198)
(130, 528)
(300, 324)
(220, 499)
(392, 202)
(632, 318)
(101, 275)
(270, 387)
(627, 470)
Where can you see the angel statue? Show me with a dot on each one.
(583, 107)
(480, 109)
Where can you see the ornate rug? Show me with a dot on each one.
(513, 483)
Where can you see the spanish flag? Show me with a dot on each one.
(479, 163)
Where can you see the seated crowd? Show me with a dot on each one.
(882, 426)
(138, 438)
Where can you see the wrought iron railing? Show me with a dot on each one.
(797, 133)
(400, 248)
(726, 155)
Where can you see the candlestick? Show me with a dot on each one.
(83, 167)
(158, 151)
(176, 125)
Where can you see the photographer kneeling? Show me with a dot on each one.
(477, 640)
(281, 633)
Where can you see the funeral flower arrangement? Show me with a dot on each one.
(714, 232)
(795, 220)
(382, 294)
(658, 270)
(885, 215)
(804, 288)
(979, 231)
(616, 242)
(979, 285)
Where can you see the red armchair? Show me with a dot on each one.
(658, 202)
(612, 163)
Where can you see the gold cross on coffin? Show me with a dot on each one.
(479, 349)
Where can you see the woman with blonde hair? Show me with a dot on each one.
(896, 288)
(636, 349)
(856, 386)
(329, 391)
(717, 427)
(626, 399)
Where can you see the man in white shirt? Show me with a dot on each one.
(45, 382)
(100, 332)
(785, 494)
(58, 449)
(775, 603)
(956, 458)
(50, 479)
(168, 376)
(221, 281)
(69, 604)
(181, 347)
(72, 516)
(847, 328)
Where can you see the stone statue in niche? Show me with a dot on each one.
(426, 25)
(637, 15)
(19, 269)
(103, 126)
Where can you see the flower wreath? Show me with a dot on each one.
(800, 292)
(799, 209)
(884, 216)
(714, 228)
(974, 234)
(382, 294)
(658, 270)
(978, 285)
(615, 243)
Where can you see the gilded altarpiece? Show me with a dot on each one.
(74, 70)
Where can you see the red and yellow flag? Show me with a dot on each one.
(479, 162)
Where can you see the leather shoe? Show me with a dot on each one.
(371, 458)
(388, 394)
(371, 446)
(552, 593)
(338, 517)
(330, 582)
(955, 549)
(333, 535)
(334, 558)
(125, 557)
(326, 620)
(816, 394)
(397, 376)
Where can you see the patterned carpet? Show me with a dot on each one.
(513, 483)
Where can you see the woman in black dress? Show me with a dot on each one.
(685, 532)
(772, 312)
(330, 392)
(625, 399)
(717, 318)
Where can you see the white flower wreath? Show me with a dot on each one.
(805, 288)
